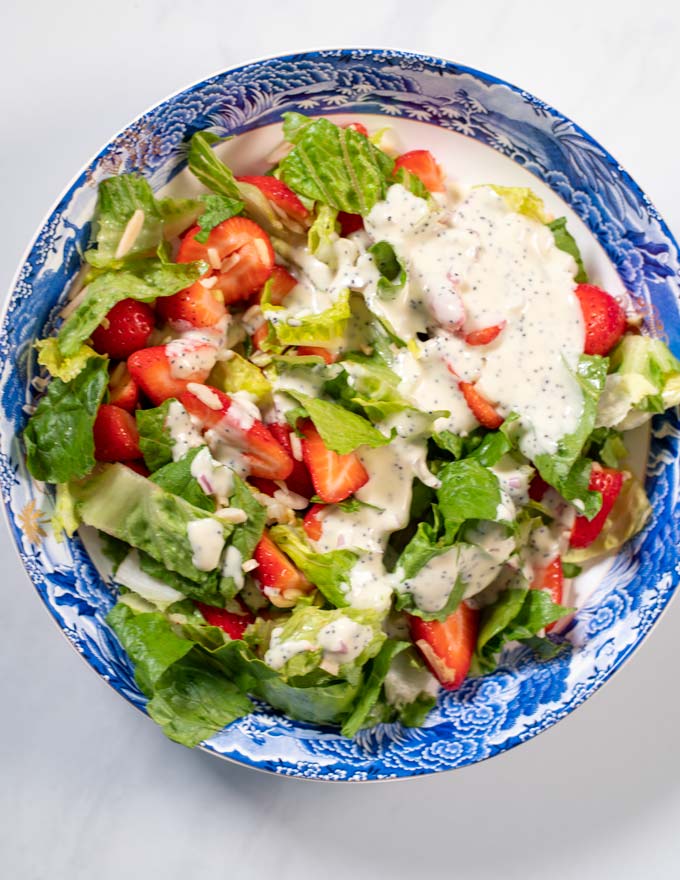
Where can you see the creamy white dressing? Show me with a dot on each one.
(184, 433)
(189, 357)
(280, 652)
(405, 682)
(206, 537)
(213, 477)
(233, 566)
(343, 640)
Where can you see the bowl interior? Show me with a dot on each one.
(481, 130)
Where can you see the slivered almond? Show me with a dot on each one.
(214, 258)
(250, 565)
(208, 282)
(232, 515)
(230, 262)
(262, 250)
(296, 446)
(130, 234)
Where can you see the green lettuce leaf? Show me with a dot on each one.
(176, 477)
(245, 536)
(154, 438)
(522, 200)
(372, 686)
(211, 171)
(341, 430)
(58, 437)
(324, 329)
(238, 374)
(367, 386)
(468, 491)
(335, 166)
(392, 273)
(323, 233)
(64, 368)
(606, 444)
(566, 242)
(327, 571)
(64, 517)
(145, 280)
(218, 208)
(412, 183)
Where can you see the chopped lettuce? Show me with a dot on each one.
(335, 166)
(64, 517)
(325, 329)
(566, 242)
(245, 536)
(327, 571)
(64, 368)
(323, 233)
(238, 374)
(468, 491)
(210, 170)
(370, 690)
(341, 430)
(176, 477)
(392, 273)
(58, 437)
(143, 280)
(154, 438)
(366, 385)
(522, 200)
(645, 379)
(218, 208)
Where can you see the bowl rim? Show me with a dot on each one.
(446, 65)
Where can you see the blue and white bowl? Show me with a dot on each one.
(478, 126)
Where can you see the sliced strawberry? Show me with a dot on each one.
(335, 477)
(280, 581)
(299, 480)
(200, 305)
(447, 646)
(138, 467)
(422, 163)
(240, 253)
(260, 335)
(123, 390)
(279, 194)
(264, 455)
(609, 482)
(537, 487)
(485, 335)
(267, 487)
(604, 318)
(550, 578)
(126, 328)
(233, 624)
(312, 522)
(281, 282)
(349, 223)
(164, 371)
(482, 410)
(116, 437)
(358, 127)
(316, 351)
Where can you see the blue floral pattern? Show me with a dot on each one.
(524, 696)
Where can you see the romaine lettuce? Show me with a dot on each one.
(326, 329)
(566, 242)
(176, 477)
(522, 200)
(155, 441)
(341, 430)
(372, 686)
(218, 208)
(64, 368)
(238, 374)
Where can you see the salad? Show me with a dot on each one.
(345, 429)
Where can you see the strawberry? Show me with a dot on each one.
(609, 482)
(280, 581)
(550, 578)
(123, 390)
(126, 328)
(299, 480)
(198, 306)
(138, 467)
(482, 410)
(349, 223)
(233, 624)
(312, 522)
(358, 127)
(335, 477)
(116, 437)
(485, 335)
(260, 335)
(422, 163)
(315, 350)
(281, 282)
(279, 194)
(163, 371)
(238, 428)
(238, 250)
(448, 645)
(538, 487)
(604, 318)
(267, 487)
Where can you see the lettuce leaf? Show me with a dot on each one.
(64, 368)
(522, 200)
(323, 233)
(341, 430)
(211, 171)
(324, 329)
(143, 280)
(154, 438)
(176, 477)
(392, 273)
(335, 166)
(327, 571)
(372, 686)
(58, 437)
(64, 517)
(238, 374)
(468, 491)
(218, 208)
(566, 242)
(366, 385)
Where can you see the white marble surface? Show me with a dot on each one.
(90, 788)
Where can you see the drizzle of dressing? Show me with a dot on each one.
(206, 537)
(183, 432)
(213, 477)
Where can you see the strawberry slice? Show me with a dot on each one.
(423, 164)
(299, 480)
(138, 467)
(123, 390)
(609, 482)
(312, 522)
(238, 250)
(238, 428)
(201, 305)
(482, 410)
(280, 581)
(604, 318)
(126, 327)
(349, 223)
(317, 351)
(260, 335)
(165, 370)
(233, 624)
(116, 437)
(267, 487)
(279, 194)
(550, 578)
(484, 336)
(447, 646)
(537, 487)
(281, 282)
(335, 477)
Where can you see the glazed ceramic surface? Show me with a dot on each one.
(516, 139)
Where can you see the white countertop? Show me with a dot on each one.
(89, 787)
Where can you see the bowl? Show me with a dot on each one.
(479, 126)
